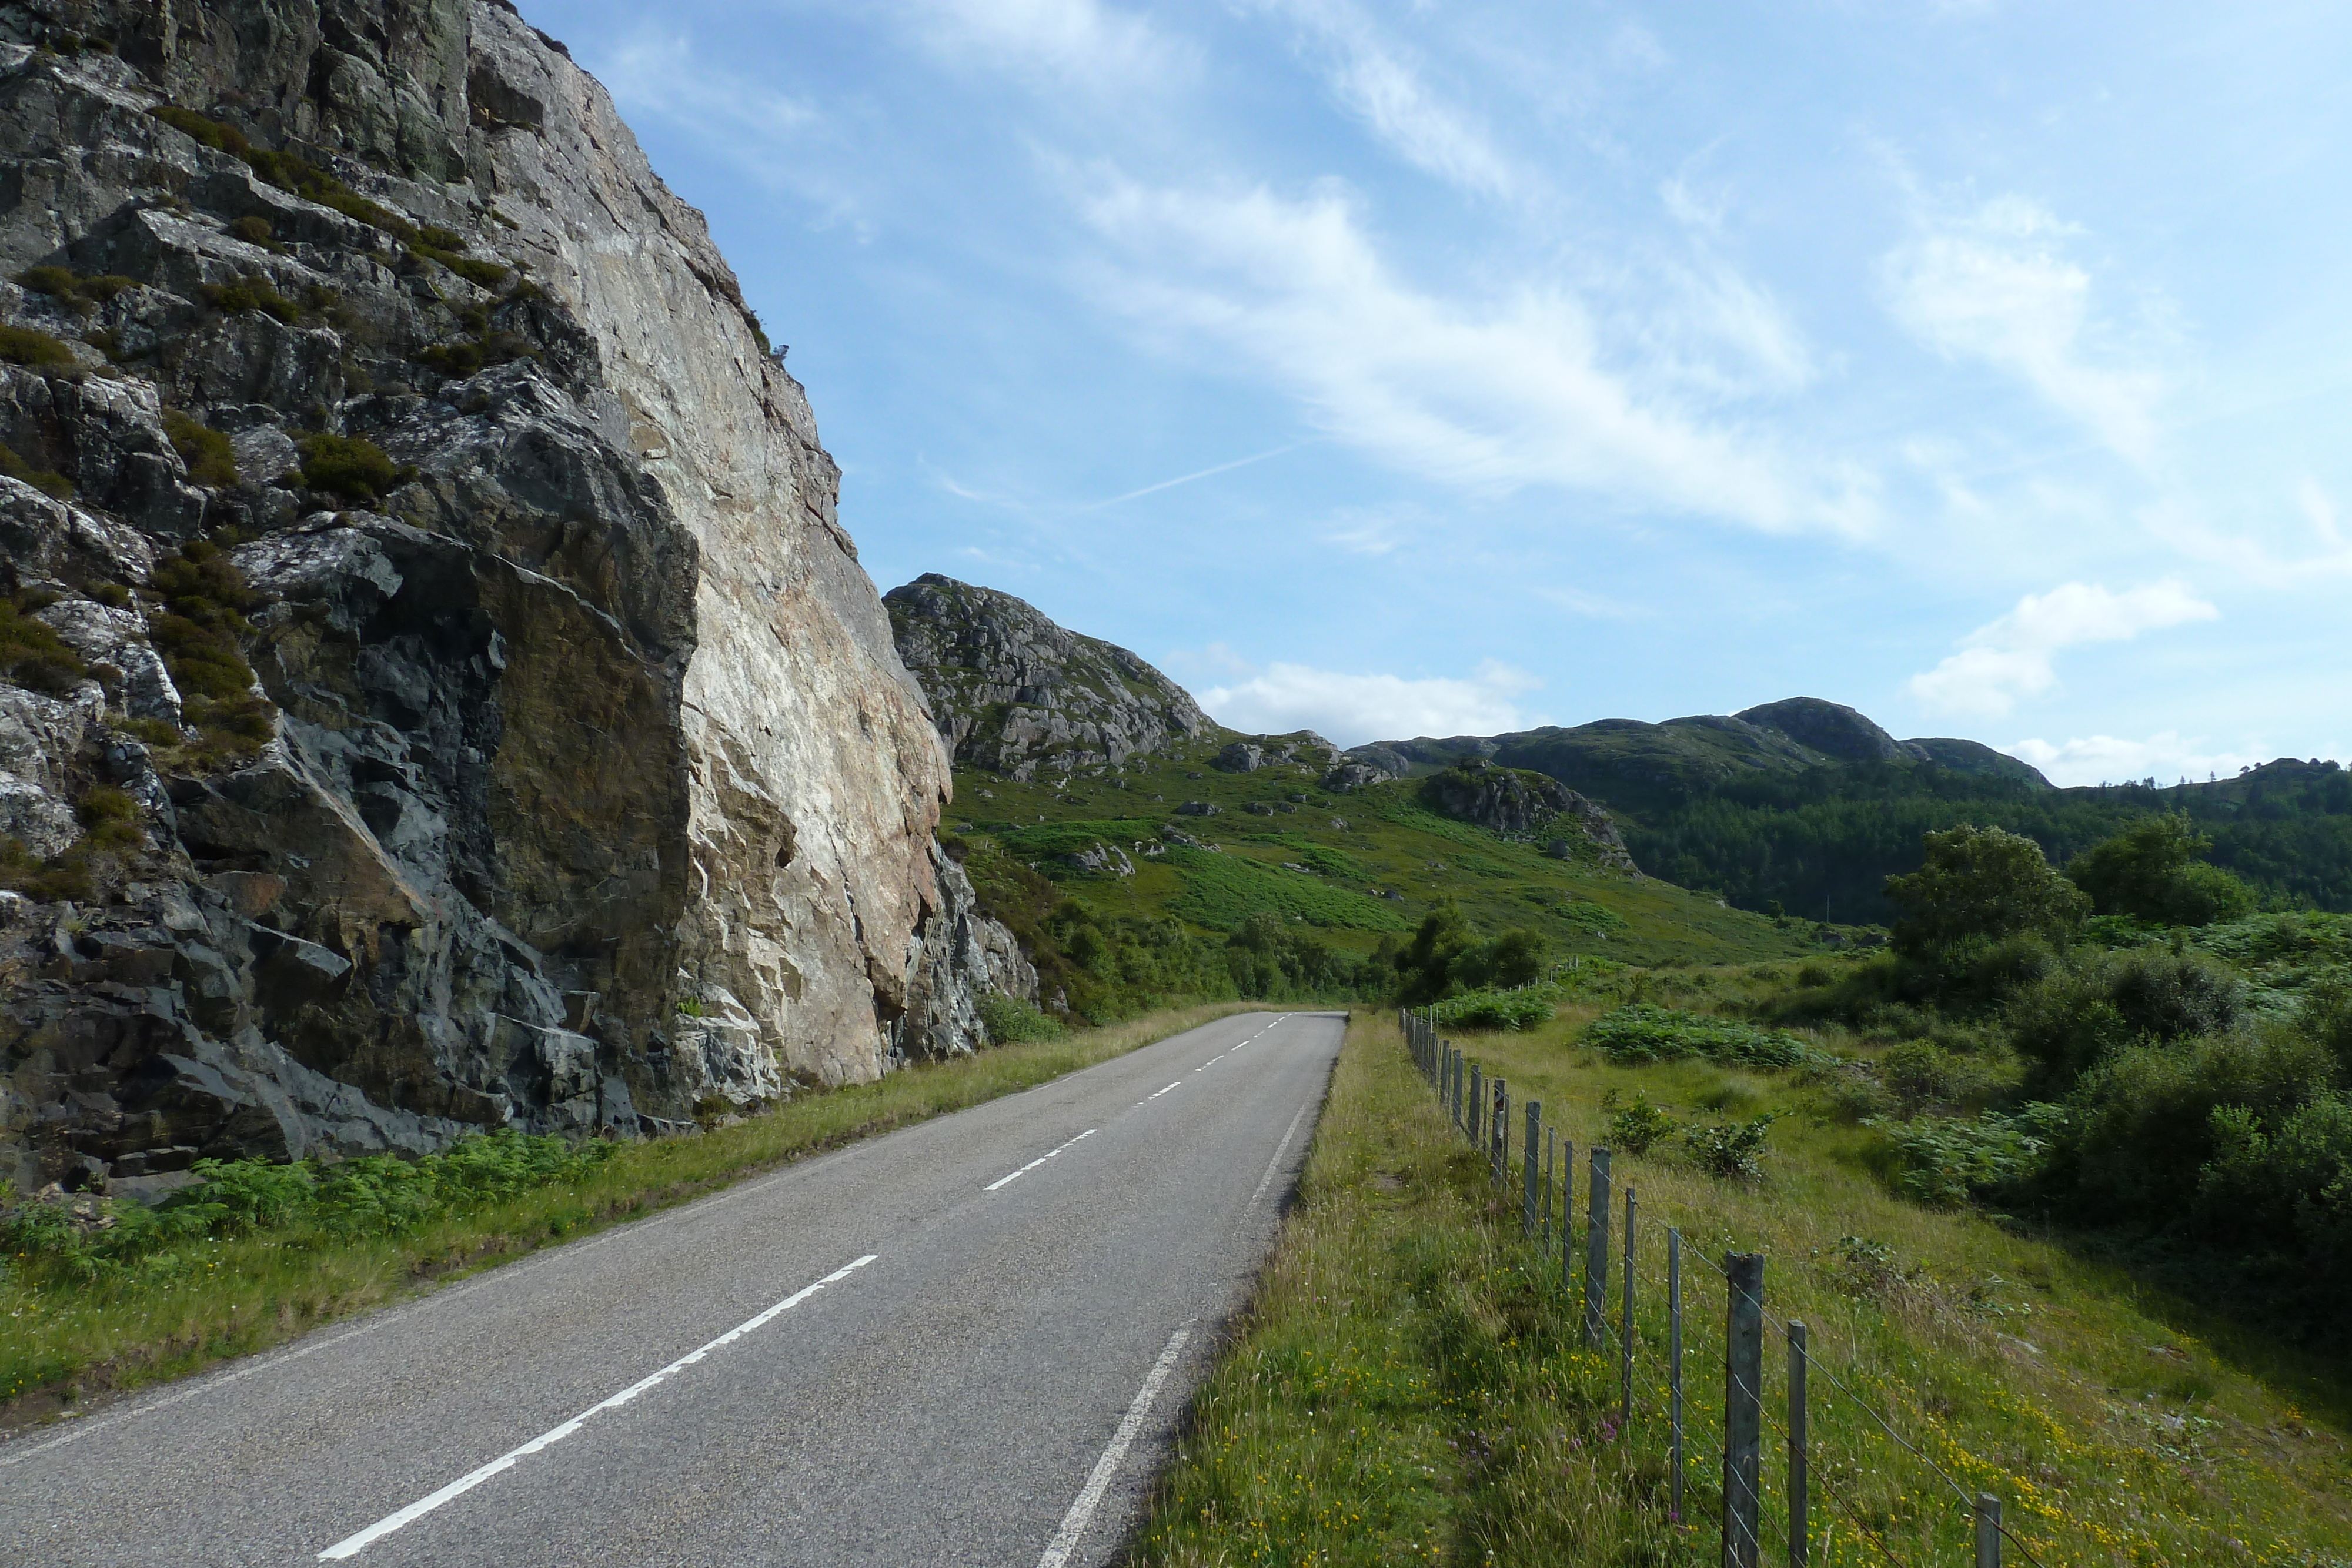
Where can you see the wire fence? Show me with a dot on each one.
(1741, 1447)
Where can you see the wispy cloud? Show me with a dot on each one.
(2011, 658)
(1995, 282)
(1100, 50)
(1496, 394)
(1354, 708)
(1378, 82)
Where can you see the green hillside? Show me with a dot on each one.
(1340, 871)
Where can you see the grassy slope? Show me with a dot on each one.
(61, 1343)
(1406, 1388)
(1388, 844)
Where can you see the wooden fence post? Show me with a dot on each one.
(1800, 1488)
(1499, 1136)
(1743, 1410)
(1596, 1254)
(1674, 1369)
(1567, 1215)
(1527, 1181)
(1477, 1102)
(1988, 1530)
(1626, 1328)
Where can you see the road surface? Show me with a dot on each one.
(964, 1344)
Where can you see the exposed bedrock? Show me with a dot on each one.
(440, 692)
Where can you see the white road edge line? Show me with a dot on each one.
(1156, 1094)
(1091, 1496)
(1040, 1160)
(1271, 1165)
(352, 1546)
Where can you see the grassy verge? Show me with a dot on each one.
(61, 1344)
(1409, 1385)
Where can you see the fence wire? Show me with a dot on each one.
(1565, 1246)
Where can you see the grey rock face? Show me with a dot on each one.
(1013, 693)
(1511, 801)
(1356, 774)
(1240, 757)
(1198, 809)
(582, 778)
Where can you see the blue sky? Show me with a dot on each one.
(1401, 369)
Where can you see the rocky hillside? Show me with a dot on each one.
(1013, 693)
(439, 690)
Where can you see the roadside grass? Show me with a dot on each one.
(63, 1342)
(1409, 1386)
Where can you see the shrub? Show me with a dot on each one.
(34, 656)
(1646, 1033)
(251, 292)
(48, 481)
(210, 457)
(254, 229)
(1981, 881)
(1489, 1008)
(31, 346)
(1733, 1150)
(1946, 1160)
(2077, 1016)
(1640, 1127)
(110, 817)
(1010, 1021)
(351, 466)
(2155, 870)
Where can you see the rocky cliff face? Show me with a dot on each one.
(1525, 804)
(1015, 693)
(440, 693)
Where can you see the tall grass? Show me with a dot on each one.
(1410, 1386)
(63, 1340)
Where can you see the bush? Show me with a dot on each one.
(210, 457)
(1981, 883)
(2140, 1124)
(251, 292)
(51, 483)
(2155, 870)
(31, 346)
(1010, 1021)
(34, 656)
(1640, 1127)
(1645, 1033)
(1734, 1150)
(2078, 1016)
(1488, 1007)
(1946, 1160)
(351, 466)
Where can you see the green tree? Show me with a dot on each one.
(2156, 871)
(1981, 883)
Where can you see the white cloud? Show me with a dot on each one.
(1995, 284)
(2011, 657)
(2166, 757)
(1493, 396)
(1378, 84)
(1353, 709)
(1080, 43)
(658, 72)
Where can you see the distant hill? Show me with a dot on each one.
(1637, 766)
(1809, 805)
(1802, 804)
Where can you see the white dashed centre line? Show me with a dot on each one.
(352, 1546)
(1040, 1160)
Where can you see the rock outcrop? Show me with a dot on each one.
(1528, 805)
(1013, 692)
(443, 694)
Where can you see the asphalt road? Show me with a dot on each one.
(901, 1352)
